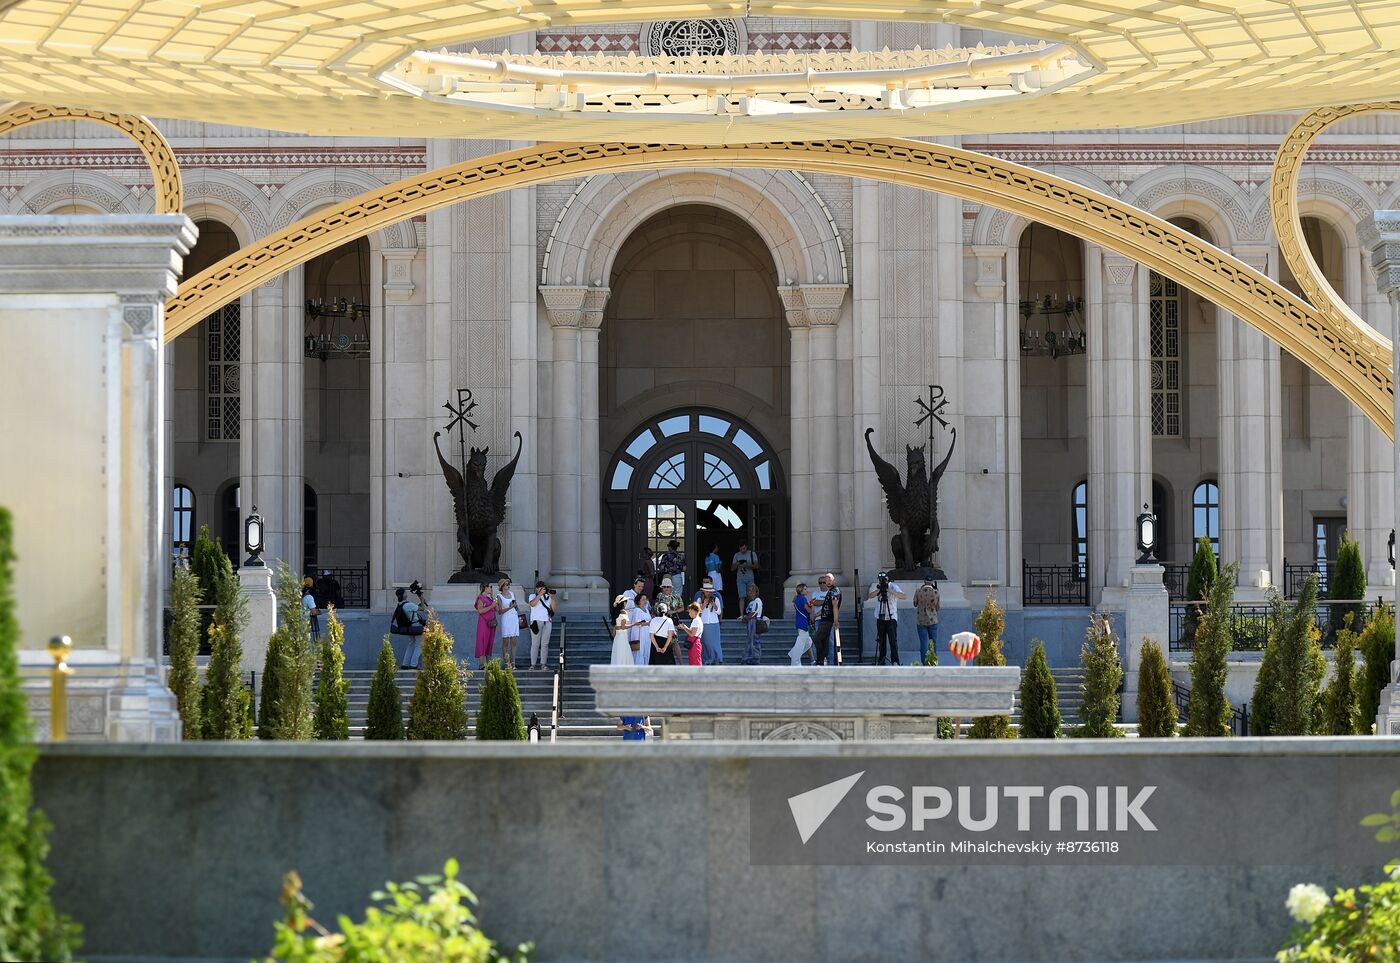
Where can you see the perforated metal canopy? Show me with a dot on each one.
(327, 66)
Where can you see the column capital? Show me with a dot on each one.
(574, 306)
(398, 273)
(1380, 234)
(813, 305)
(1118, 272)
(991, 271)
(1256, 257)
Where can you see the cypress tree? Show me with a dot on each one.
(1157, 715)
(1287, 692)
(1103, 676)
(943, 723)
(1340, 716)
(1378, 649)
(30, 928)
(331, 718)
(212, 567)
(1203, 571)
(184, 646)
(499, 717)
(1208, 713)
(990, 624)
(1040, 706)
(225, 703)
(385, 719)
(286, 707)
(438, 708)
(1348, 583)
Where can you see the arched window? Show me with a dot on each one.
(182, 520)
(1205, 513)
(1080, 522)
(308, 528)
(231, 525)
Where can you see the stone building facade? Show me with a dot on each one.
(702, 351)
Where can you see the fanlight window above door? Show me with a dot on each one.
(728, 458)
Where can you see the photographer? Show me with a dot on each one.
(542, 609)
(887, 595)
(408, 620)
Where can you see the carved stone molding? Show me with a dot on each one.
(991, 272)
(1381, 237)
(1118, 273)
(574, 306)
(398, 274)
(813, 305)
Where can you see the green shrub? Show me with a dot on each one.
(224, 704)
(385, 720)
(1287, 691)
(1208, 712)
(183, 678)
(286, 707)
(1103, 677)
(438, 708)
(1378, 649)
(211, 565)
(990, 624)
(1352, 925)
(943, 723)
(1348, 582)
(499, 717)
(30, 928)
(1040, 706)
(331, 719)
(1203, 572)
(1339, 714)
(1157, 714)
(427, 920)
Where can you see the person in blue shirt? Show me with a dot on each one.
(635, 728)
(799, 615)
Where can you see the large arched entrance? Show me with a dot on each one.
(705, 479)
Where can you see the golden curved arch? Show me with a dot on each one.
(169, 189)
(1352, 358)
(1283, 205)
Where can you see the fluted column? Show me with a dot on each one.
(575, 314)
(1382, 238)
(270, 451)
(1371, 478)
(1120, 431)
(1251, 448)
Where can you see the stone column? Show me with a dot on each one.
(1251, 449)
(82, 319)
(814, 310)
(1382, 237)
(575, 314)
(1371, 478)
(1120, 430)
(270, 451)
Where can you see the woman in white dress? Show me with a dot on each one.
(621, 648)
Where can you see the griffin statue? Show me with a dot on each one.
(479, 509)
(913, 504)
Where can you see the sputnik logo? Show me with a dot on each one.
(811, 808)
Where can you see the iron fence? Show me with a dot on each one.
(1239, 715)
(1295, 575)
(1251, 622)
(1174, 577)
(1053, 585)
(351, 583)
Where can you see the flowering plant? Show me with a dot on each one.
(1354, 925)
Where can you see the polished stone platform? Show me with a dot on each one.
(808, 703)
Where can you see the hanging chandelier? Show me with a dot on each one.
(1052, 324)
(336, 329)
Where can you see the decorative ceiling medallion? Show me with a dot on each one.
(694, 38)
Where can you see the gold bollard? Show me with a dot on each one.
(60, 646)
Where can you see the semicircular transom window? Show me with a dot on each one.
(731, 457)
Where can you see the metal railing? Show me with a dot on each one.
(1251, 622)
(1053, 584)
(354, 584)
(859, 597)
(1295, 575)
(1239, 715)
(1175, 576)
(557, 708)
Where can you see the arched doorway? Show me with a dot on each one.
(703, 478)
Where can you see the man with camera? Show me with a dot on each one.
(887, 594)
(542, 609)
(825, 609)
(408, 620)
